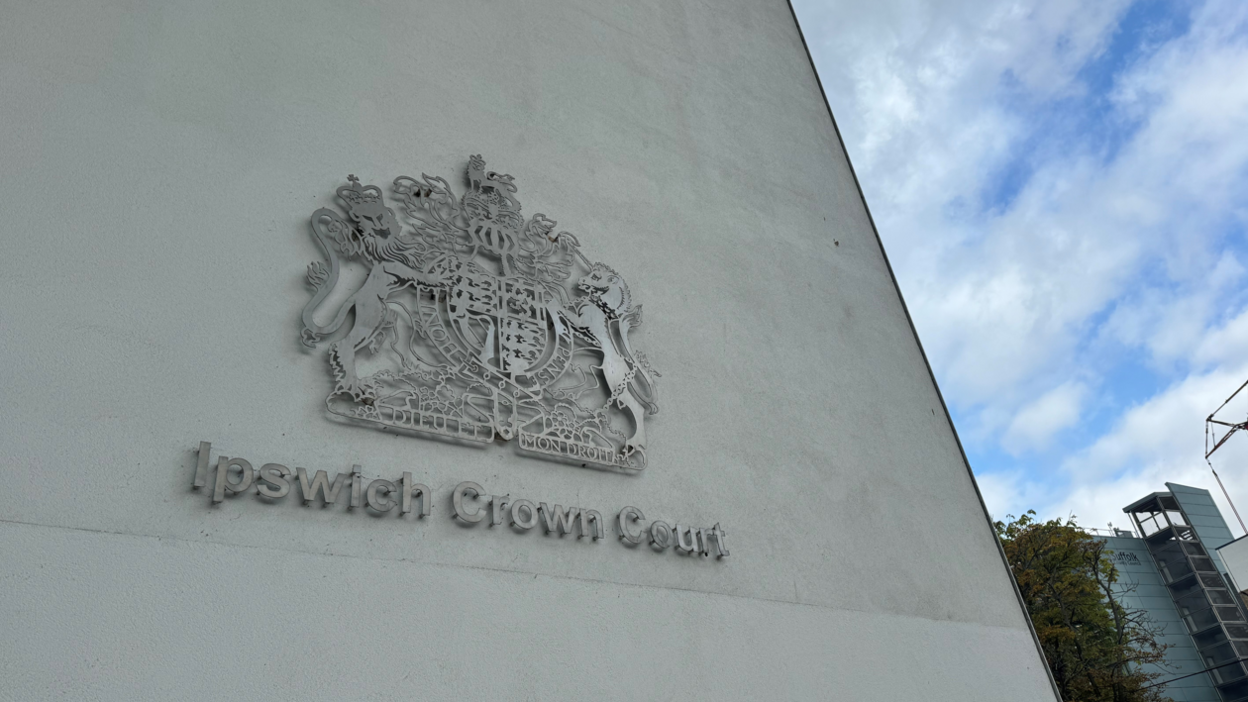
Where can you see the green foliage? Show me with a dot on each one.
(1096, 648)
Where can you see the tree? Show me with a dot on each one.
(1097, 649)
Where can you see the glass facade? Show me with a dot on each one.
(1213, 616)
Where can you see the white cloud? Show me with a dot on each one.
(1225, 345)
(1000, 492)
(916, 87)
(1118, 243)
(1035, 424)
(1012, 493)
(1002, 298)
(1159, 441)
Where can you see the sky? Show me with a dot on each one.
(1062, 190)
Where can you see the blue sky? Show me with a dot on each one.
(1062, 187)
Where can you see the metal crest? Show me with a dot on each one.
(478, 324)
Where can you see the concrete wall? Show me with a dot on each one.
(1141, 587)
(160, 163)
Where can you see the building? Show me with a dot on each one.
(210, 494)
(1171, 568)
(1234, 555)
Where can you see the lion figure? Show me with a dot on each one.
(374, 235)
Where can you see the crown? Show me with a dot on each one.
(354, 195)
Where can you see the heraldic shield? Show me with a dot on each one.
(477, 324)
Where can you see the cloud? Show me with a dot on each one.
(999, 490)
(1035, 424)
(917, 90)
(1011, 493)
(1061, 187)
(1159, 441)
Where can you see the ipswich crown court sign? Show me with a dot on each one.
(482, 339)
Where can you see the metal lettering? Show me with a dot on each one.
(588, 516)
(273, 480)
(201, 465)
(530, 521)
(627, 515)
(660, 535)
(686, 546)
(382, 502)
(246, 475)
(470, 503)
(704, 541)
(467, 489)
(498, 503)
(561, 520)
(357, 500)
(410, 488)
(320, 484)
(718, 535)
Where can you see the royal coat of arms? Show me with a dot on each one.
(479, 324)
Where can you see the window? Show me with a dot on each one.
(1203, 565)
(1229, 614)
(1220, 597)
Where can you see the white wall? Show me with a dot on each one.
(158, 165)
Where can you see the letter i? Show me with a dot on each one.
(201, 466)
(356, 500)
